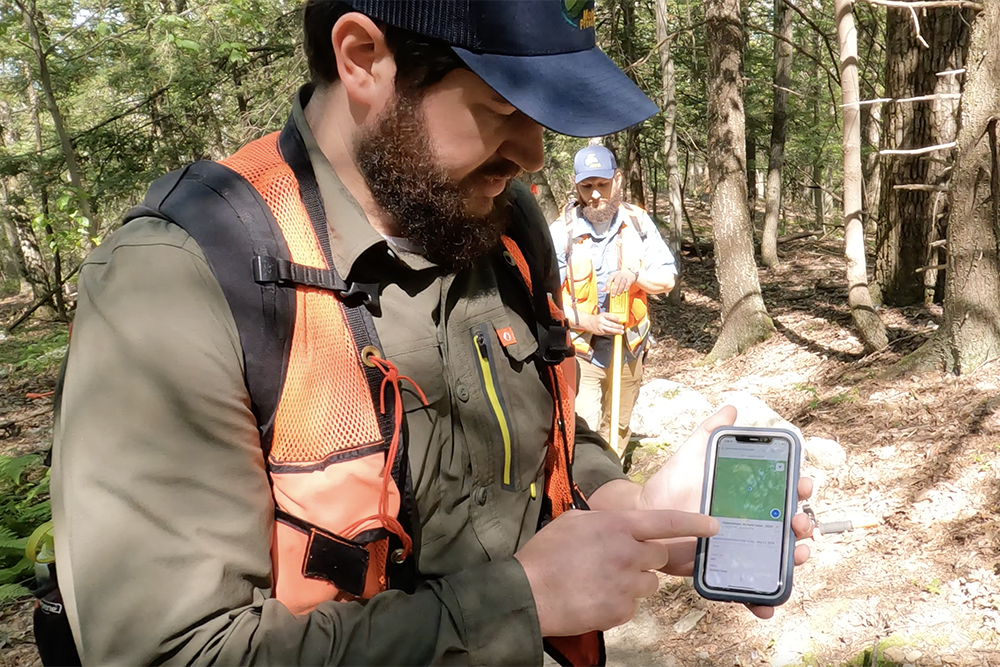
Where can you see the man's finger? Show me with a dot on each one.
(802, 553)
(805, 488)
(661, 524)
(651, 556)
(802, 525)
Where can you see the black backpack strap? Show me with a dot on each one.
(233, 226)
(529, 232)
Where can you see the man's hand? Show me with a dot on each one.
(588, 569)
(602, 324)
(678, 485)
(621, 281)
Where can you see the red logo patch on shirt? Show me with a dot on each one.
(506, 336)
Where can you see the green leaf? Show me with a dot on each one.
(188, 45)
(11, 468)
(13, 592)
(62, 202)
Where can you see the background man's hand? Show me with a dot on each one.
(621, 281)
(588, 569)
(604, 324)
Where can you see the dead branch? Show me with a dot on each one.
(796, 237)
(939, 243)
(935, 267)
(921, 4)
(919, 151)
(916, 28)
(906, 100)
(950, 72)
(42, 301)
(922, 187)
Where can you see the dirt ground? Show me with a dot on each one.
(920, 587)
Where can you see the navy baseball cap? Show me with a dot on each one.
(540, 55)
(594, 162)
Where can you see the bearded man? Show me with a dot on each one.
(606, 247)
(317, 406)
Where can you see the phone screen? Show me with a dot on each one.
(749, 498)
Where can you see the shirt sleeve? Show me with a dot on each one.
(656, 255)
(162, 508)
(557, 230)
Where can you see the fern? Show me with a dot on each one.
(11, 543)
(17, 572)
(12, 592)
(12, 467)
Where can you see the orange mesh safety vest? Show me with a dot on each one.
(331, 426)
(580, 286)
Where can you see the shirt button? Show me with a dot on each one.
(479, 495)
(462, 392)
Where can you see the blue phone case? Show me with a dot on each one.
(781, 595)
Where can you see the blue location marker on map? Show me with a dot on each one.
(775, 513)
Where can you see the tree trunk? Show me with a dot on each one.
(41, 60)
(632, 158)
(872, 165)
(908, 220)
(675, 234)
(779, 124)
(819, 211)
(870, 328)
(43, 195)
(744, 319)
(546, 199)
(970, 334)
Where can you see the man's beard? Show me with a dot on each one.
(424, 204)
(605, 212)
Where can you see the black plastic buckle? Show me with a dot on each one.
(557, 347)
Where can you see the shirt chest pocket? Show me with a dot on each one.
(515, 407)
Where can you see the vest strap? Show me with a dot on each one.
(285, 273)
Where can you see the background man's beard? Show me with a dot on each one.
(604, 214)
(426, 205)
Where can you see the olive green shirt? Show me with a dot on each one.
(161, 501)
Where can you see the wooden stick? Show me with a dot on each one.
(936, 267)
(796, 237)
(939, 243)
(949, 72)
(922, 187)
(41, 302)
(919, 151)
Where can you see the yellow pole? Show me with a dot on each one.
(619, 306)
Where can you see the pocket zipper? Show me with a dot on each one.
(492, 389)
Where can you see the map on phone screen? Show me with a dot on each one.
(748, 499)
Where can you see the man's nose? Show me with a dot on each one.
(523, 143)
(595, 195)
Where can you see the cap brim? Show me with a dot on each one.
(602, 173)
(581, 94)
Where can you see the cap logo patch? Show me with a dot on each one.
(579, 13)
(593, 162)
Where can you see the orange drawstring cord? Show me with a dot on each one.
(390, 522)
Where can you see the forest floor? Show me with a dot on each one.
(920, 587)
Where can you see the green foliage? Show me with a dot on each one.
(24, 506)
(26, 354)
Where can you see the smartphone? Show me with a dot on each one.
(751, 482)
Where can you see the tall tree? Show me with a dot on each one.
(970, 334)
(32, 25)
(779, 124)
(909, 218)
(744, 317)
(669, 105)
(632, 160)
(866, 320)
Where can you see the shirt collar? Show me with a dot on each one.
(351, 234)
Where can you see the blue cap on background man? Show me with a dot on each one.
(540, 55)
(594, 162)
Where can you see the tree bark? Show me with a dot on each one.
(870, 328)
(909, 218)
(546, 199)
(632, 158)
(970, 334)
(779, 124)
(669, 103)
(819, 211)
(744, 318)
(28, 12)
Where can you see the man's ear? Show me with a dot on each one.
(365, 65)
(617, 181)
